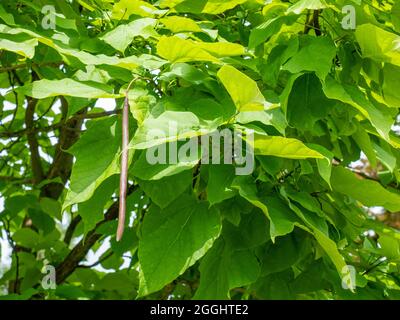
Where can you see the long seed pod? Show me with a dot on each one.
(123, 182)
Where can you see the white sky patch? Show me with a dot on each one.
(7, 105)
(7, 118)
(3, 91)
(53, 140)
(5, 253)
(56, 107)
(45, 155)
(108, 104)
(92, 256)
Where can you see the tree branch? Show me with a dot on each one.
(25, 65)
(71, 228)
(108, 255)
(37, 170)
(63, 161)
(78, 253)
(58, 125)
(15, 179)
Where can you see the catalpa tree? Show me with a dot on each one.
(199, 149)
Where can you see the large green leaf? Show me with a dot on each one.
(172, 187)
(220, 178)
(307, 103)
(248, 190)
(123, 35)
(180, 24)
(283, 220)
(380, 117)
(327, 244)
(145, 170)
(390, 90)
(268, 29)
(302, 5)
(243, 90)
(282, 147)
(92, 210)
(368, 192)
(67, 87)
(176, 49)
(123, 9)
(232, 261)
(102, 138)
(201, 6)
(163, 254)
(169, 127)
(315, 54)
(378, 44)
(25, 48)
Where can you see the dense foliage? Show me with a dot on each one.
(316, 82)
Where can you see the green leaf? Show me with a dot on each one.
(220, 178)
(171, 126)
(395, 13)
(315, 54)
(327, 244)
(16, 204)
(122, 36)
(102, 138)
(281, 255)
(51, 207)
(378, 44)
(282, 147)
(324, 165)
(224, 268)
(380, 118)
(389, 87)
(180, 24)
(269, 28)
(243, 90)
(273, 117)
(220, 6)
(390, 246)
(282, 219)
(26, 237)
(176, 49)
(172, 187)
(363, 141)
(301, 5)
(164, 255)
(201, 6)
(145, 170)
(92, 211)
(232, 262)
(248, 190)
(123, 9)
(67, 87)
(368, 192)
(307, 103)
(8, 18)
(25, 48)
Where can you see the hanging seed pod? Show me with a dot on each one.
(123, 182)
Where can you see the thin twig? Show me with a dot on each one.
(98, 262)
